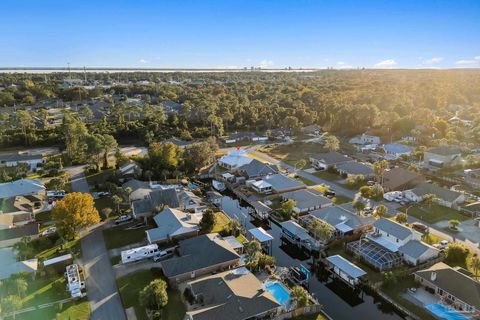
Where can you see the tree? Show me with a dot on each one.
(365, 191)
(208, 220)
(474, 263)
(107, 212)
(253, 249)
(381, 211)
(429, 199)
(10, 304)
(197, 156)
(287, 208)
(456, 253)
(24, 249)
(117, 200)
(401, 217)
(21, 286)
(320, 231)
(108, 143)
(332, 143)
(378, 168)
(232, 227)
(358, 205)
(265, 260)
(154, 296)
(75, 211)
(454, 224)
(300, 296)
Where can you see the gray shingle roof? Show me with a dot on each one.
(341, 214)
(355, 168)
(235, 294)
(394, 228)
(307, 198)
(415, 248)
(167, 197)
(279, 182)
(19, 157)
(445, 150)
(442, 193)
(454, 282)
(171, 223)
(258, 169)
(331, 158)
(21, 187)
(193, 257)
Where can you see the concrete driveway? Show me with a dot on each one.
(78, 179)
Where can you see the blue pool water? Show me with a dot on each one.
(444, 312)
(278, 291)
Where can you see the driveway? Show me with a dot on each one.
(102, 291)
(77, 178)
(100, 281)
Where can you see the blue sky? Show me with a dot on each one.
(231, 34)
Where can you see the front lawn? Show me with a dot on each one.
(131, 285)
(339, 199)
(434, 213)
(72, 246)
(305, 181)
(78, 310)
(45, 290)
(44, 216)
(119, 236)
(324, 174)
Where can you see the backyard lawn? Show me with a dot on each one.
(130, 286)
(434, 214)
(72, 246)
(220, 222)
(323, 174)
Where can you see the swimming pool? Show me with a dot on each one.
(445, 313)
(279, 292)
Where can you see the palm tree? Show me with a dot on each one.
(429, 199)
(454, 224)
(300, 296)
(475, 265)
(117, 201)
(381, 211)
(252, 252)
(21, 285)
(320, 231)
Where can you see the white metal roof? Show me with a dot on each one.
(57, 259)
(260, 234)
(346, 266)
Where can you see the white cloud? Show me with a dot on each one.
(389, 63)
(433, 60)
(142, 61)
(477, 58)
(343, 65)
(466, 63)
(265, 64)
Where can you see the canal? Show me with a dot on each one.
(339, 301)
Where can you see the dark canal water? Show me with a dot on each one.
(339, 300)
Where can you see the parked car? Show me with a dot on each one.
(162, 255)
(123, 219)
(419, 226)
(49, 231)
(370, 183)
(329, 193)
(441, 245)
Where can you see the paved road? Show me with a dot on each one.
(77, 178)
(101, 286)
(100, 281)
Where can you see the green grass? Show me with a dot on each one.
(431, 239)
(115, 260)
(72, 246)
(294, 152)
(306, 181)
(434, 214)
(324, 174)
(241, 238)
(117, 237)
(45, 290)
(43, 216)
(130, 286)
(220, 222)
(72, 310)
(339, 199)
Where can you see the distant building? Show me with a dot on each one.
(394, 151)
(307, 200)
(444, 156)
(173, 224)
(327, 160)
(235, 159)
(443, 196)
(365, 139)
(399, 179)
(21, 187)
(34, 161)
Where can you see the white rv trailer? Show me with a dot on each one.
(140, 253)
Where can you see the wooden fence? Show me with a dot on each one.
(313, 309)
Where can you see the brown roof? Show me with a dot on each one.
(454, 282)
(396, 178)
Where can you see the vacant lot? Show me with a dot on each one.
(220, 222)
(434, 213)
(121, 236)
(294, 152)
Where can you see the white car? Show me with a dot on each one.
(442, 244)
(122, 219)
(49, 231)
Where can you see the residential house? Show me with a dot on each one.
(10, 236)
(443, 156)
(170, 106)
(15, 219)
(416, 252)
(34, 161)
(354, 169)
(22, 187)
(452, 286)
(394, 151)
(307, 200)
(140, 189)
(245, 136)
(235, 159)
(173, 224)
(297, 235)
(472, 177)
(234, 294)
(214, 197)
(156, 199)
(313, 130)
(342, 220)
(365, 139)
(256, 169)
(200, 256)
(445, 197)
(323, 161)
(129, 169)
(277, 183)
(399, 179)
(11, 266)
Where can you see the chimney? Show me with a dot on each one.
(433, 276)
